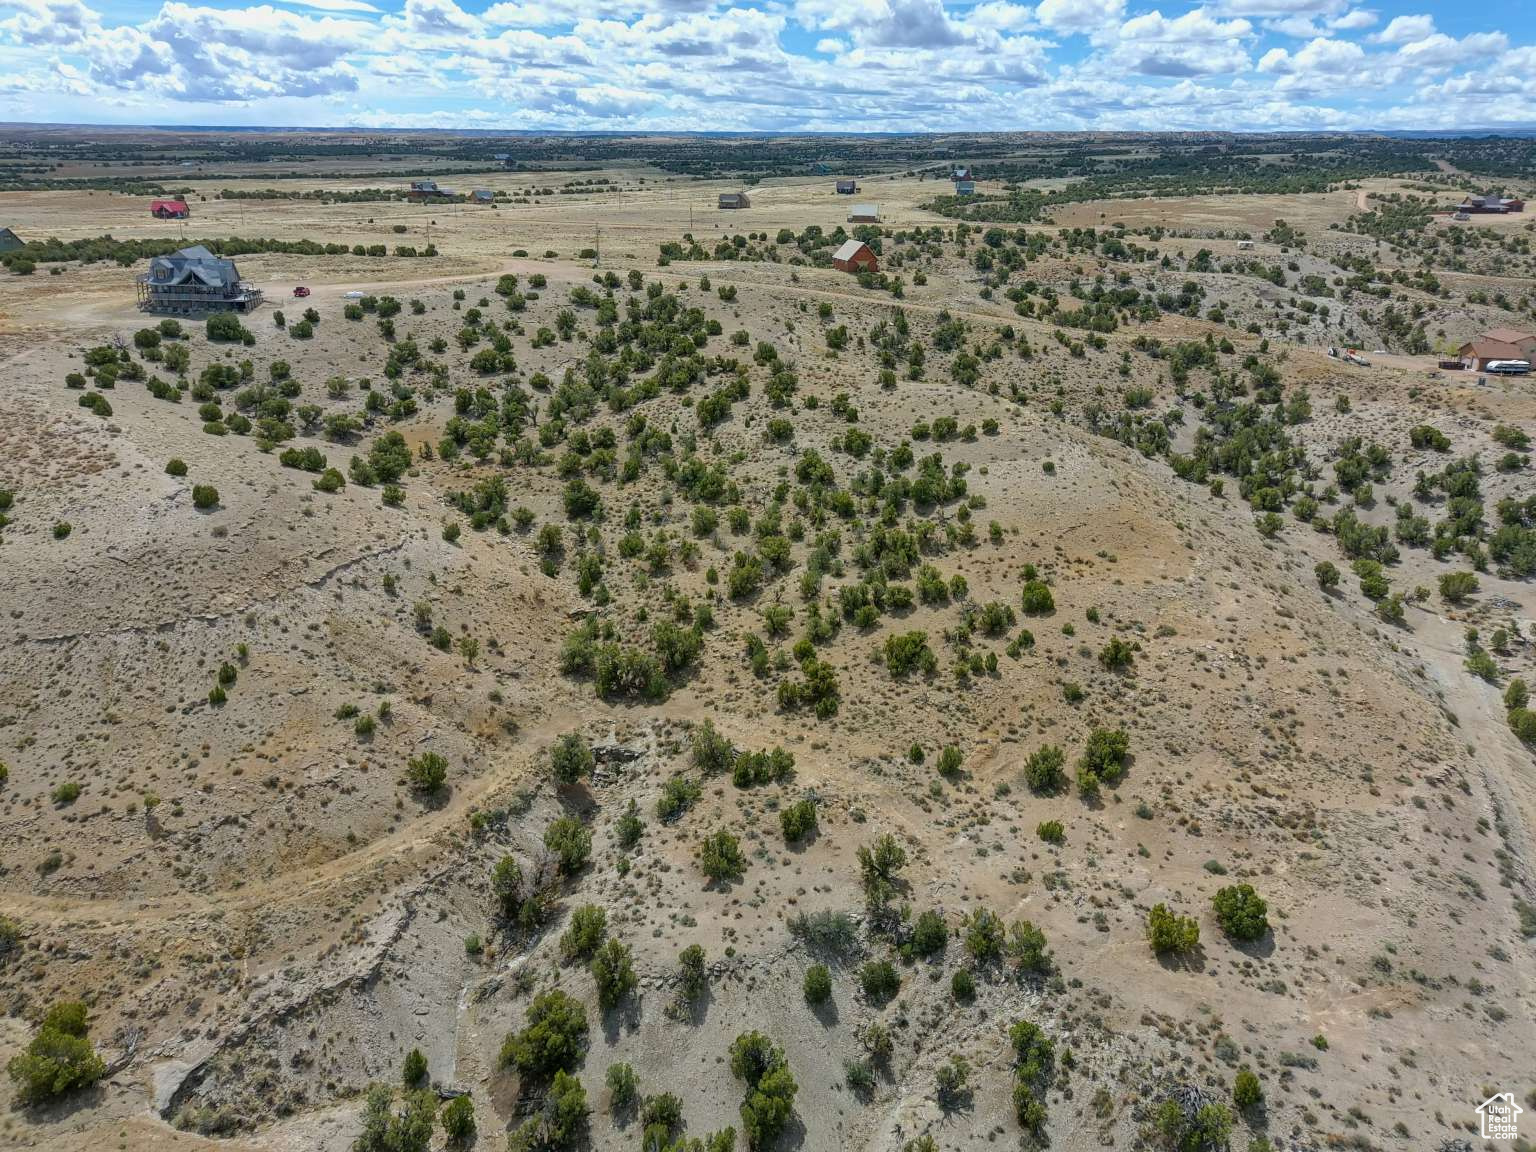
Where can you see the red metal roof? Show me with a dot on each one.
(174, 205)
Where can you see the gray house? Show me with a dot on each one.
(734, 200)
(195, 280)
(9, 241)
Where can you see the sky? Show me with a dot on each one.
(773, 65)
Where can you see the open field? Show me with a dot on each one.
(975, 544)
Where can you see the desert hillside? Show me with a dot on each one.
(1027, 695)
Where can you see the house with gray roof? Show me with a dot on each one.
(195, 280)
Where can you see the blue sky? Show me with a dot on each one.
(773, 65)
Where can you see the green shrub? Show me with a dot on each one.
(225, 326)
(329, 481)
(571, 843)
(1181, 1131)
(176, 466)
(1103, 760)
(413, 1073)
(880, 866)
(553, 1039)
(984, 935)
(1455, 587)
(930, 934)
(798, 820)
(204, 496)
(712, 752)
(386, 1129)
(588, 927)
(1241, 912)
(950, 762)
(1051, 832)
(818, 984)
(614, 973)
(59, 1058)
(770, 1088)
(426, 773)
(692, 978)
(459, 1119)
(827, 931)
(678, 795)
(1043, 769)
(1171, 934)
(1037, 598)
(1117, 655)
(880, 981)
(623, 1086)
(962, 986)
(720, 857)
(1027, 948)
(1246, 1092)
(570, 758)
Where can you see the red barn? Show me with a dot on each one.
(855, 256)
(169, 209)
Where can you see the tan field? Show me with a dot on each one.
(264, 914)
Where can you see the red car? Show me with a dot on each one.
(301, 291)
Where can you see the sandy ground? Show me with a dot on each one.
(289, 919)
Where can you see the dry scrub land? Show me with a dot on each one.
(691, 512)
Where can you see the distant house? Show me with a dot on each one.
(1490, 205)
(734, 200)
(427, 190)
(855, 256)
(9, 241)
(864, 214)
(1497, 344)
(482, 196)
(169, 209)
(847, 187)
(960, 174)
(195, 280)
(1525, 341)
(965, 187)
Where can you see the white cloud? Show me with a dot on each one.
(1079, 15)
(1193, 44)
(1001, 16)
(1353, 20)
(1281, 8)
(438, 18)
(1404, 29)
(884, 23)
(1441, 51)
(49, 22)
(1194, 26)
(333, 5)
(940, 65)
(1296, 27)
(1323, 62)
